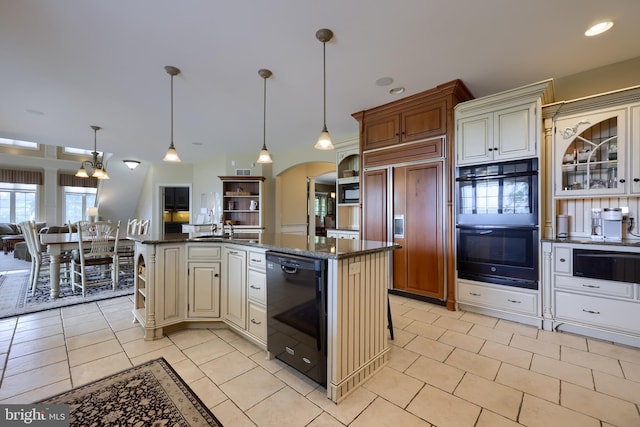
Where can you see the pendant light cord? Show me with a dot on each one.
(264, 116)
(172, 110)
(324, 84)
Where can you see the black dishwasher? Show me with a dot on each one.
(297, 313)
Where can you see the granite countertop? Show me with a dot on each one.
(317, 247)
(587, 241)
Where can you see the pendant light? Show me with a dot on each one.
(172, 154)
(98, 169)
(324, 141)
(264, 156)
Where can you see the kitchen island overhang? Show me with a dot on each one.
(358, 277)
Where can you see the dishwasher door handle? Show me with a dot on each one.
(289, 270)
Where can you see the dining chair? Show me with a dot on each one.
(97, 249)
(39, 258)
(135, 228)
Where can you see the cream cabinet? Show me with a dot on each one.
(257, 295)
(204, 277)
(605, 309)
(590, 154)
(160, 299)
(517, 304)
(634, 137)
(504, 126)
(234, 290)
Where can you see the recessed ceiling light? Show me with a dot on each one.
(396, 90)
(598, 28)
(384, 81)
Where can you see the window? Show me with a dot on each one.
(17, 202)
(76, 202)
(21, 144)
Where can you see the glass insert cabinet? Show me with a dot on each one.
(590, 157)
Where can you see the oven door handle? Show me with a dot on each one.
(496, 227)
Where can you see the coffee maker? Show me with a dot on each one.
(612, 224)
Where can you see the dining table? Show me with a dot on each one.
(56, 244)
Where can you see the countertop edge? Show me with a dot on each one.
(384, 246)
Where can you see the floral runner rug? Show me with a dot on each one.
(17, 298)
(150, 394)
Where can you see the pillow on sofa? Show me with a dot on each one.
(7, 229)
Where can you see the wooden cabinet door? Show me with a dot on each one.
(423, 122)
(374, 207)
(418, 195)
(381, 131)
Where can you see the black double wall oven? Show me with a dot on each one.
(497, 223)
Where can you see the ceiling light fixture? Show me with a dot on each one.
(598, 28)
(396, 90)
(172, 154)
(98, 169)
(131, 164)
(324, 141)
(264, 156)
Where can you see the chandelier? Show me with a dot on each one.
(96, 166)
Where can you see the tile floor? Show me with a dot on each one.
(446, 369)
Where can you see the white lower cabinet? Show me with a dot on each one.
(502, 298)
(204, 289)
(595, 310)
(234, 291)
(244, 292)
(204, 278)
(257, 325)
(257, 295)
(605, 309)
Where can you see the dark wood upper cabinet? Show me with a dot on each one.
(416, 120)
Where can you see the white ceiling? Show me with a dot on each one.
(69, 64)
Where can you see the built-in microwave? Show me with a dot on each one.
(349, 193)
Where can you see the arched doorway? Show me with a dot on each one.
(292, 195)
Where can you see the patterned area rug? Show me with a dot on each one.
(17, 298)
(151, 394)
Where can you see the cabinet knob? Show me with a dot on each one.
(216, 275)
(563, 260)
(490, 149)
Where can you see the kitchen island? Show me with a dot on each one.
(207, 281)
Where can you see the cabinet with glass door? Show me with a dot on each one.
(590, 154)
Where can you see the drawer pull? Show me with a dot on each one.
(255, 323)
(590, 311)
(255, 260)
(591, 286)
(254, 287)
(233, 252)
(563, 260)
(514, 301)
(475, 294)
